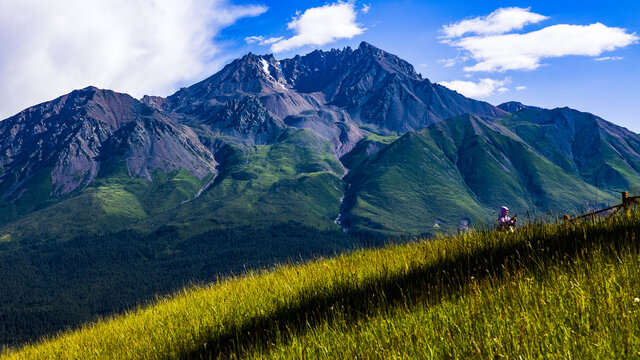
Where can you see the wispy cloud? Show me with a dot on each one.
(261, 40)
(50, 48)
(520, 88)
(453, 61)
(514, 51)
(321, 25)
(483, 88)
(612, 58)
(365, 8)
(498, 22)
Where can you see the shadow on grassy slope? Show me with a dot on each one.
(473, 257)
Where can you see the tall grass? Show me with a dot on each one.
(541, 292)
(583, 307)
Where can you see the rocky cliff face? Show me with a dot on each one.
(338, 91)
(149, 143)
(59, 146)
(380, 89)
(62, 137)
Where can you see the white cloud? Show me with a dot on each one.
(453, 61)
(495, 49)
(261, 40)
(520, 88)
(448, 62)
(321, 25)
(483, 88)
(612, 58)
(365, 8)
(498, 22)
(525, 51)
(137, 46)
(254, 39)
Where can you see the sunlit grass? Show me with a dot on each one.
(546, 291)
(582, 309)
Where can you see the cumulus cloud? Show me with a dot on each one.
(481, 89)
(137, 46)
(494, 49)
(321, 25)
(498, 22)
(525, 51)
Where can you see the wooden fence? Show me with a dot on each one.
(625, 207)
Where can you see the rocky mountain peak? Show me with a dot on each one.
(393, 62)
(515, 106)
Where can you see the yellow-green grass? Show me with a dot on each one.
(486, 294)
(587, 308)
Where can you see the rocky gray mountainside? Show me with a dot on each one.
(262, 134)
(62, 137)
(334, 92)
(54, 149)
(515, 106)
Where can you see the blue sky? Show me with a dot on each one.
(154, 47)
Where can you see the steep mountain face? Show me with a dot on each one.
(514, 106)
(583, 144)
(337, 91)
(251, 76)
(379, 89)
(62, 137)
(153, 143)
(58, 148)
(459, 170)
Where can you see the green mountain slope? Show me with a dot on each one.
(112, 202)
(404, 186)
(537, 292)
(597, 151)
(295, 179)
(462, 168)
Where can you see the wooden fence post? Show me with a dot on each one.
(625, 203)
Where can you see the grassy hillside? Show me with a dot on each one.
(559, 291)
(295, 179)
(461, 168)
(581, 143)
(112, 202)
(54, 285)
(404, 186)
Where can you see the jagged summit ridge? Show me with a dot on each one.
(287, 124)
(370, 85)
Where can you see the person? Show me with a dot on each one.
(505, 223)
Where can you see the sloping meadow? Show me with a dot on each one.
(554, 291)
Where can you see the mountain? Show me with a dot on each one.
(354, 137)
(597, 151)
(514, 106)
(140, 197)
(461, 169)
(87, 153)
